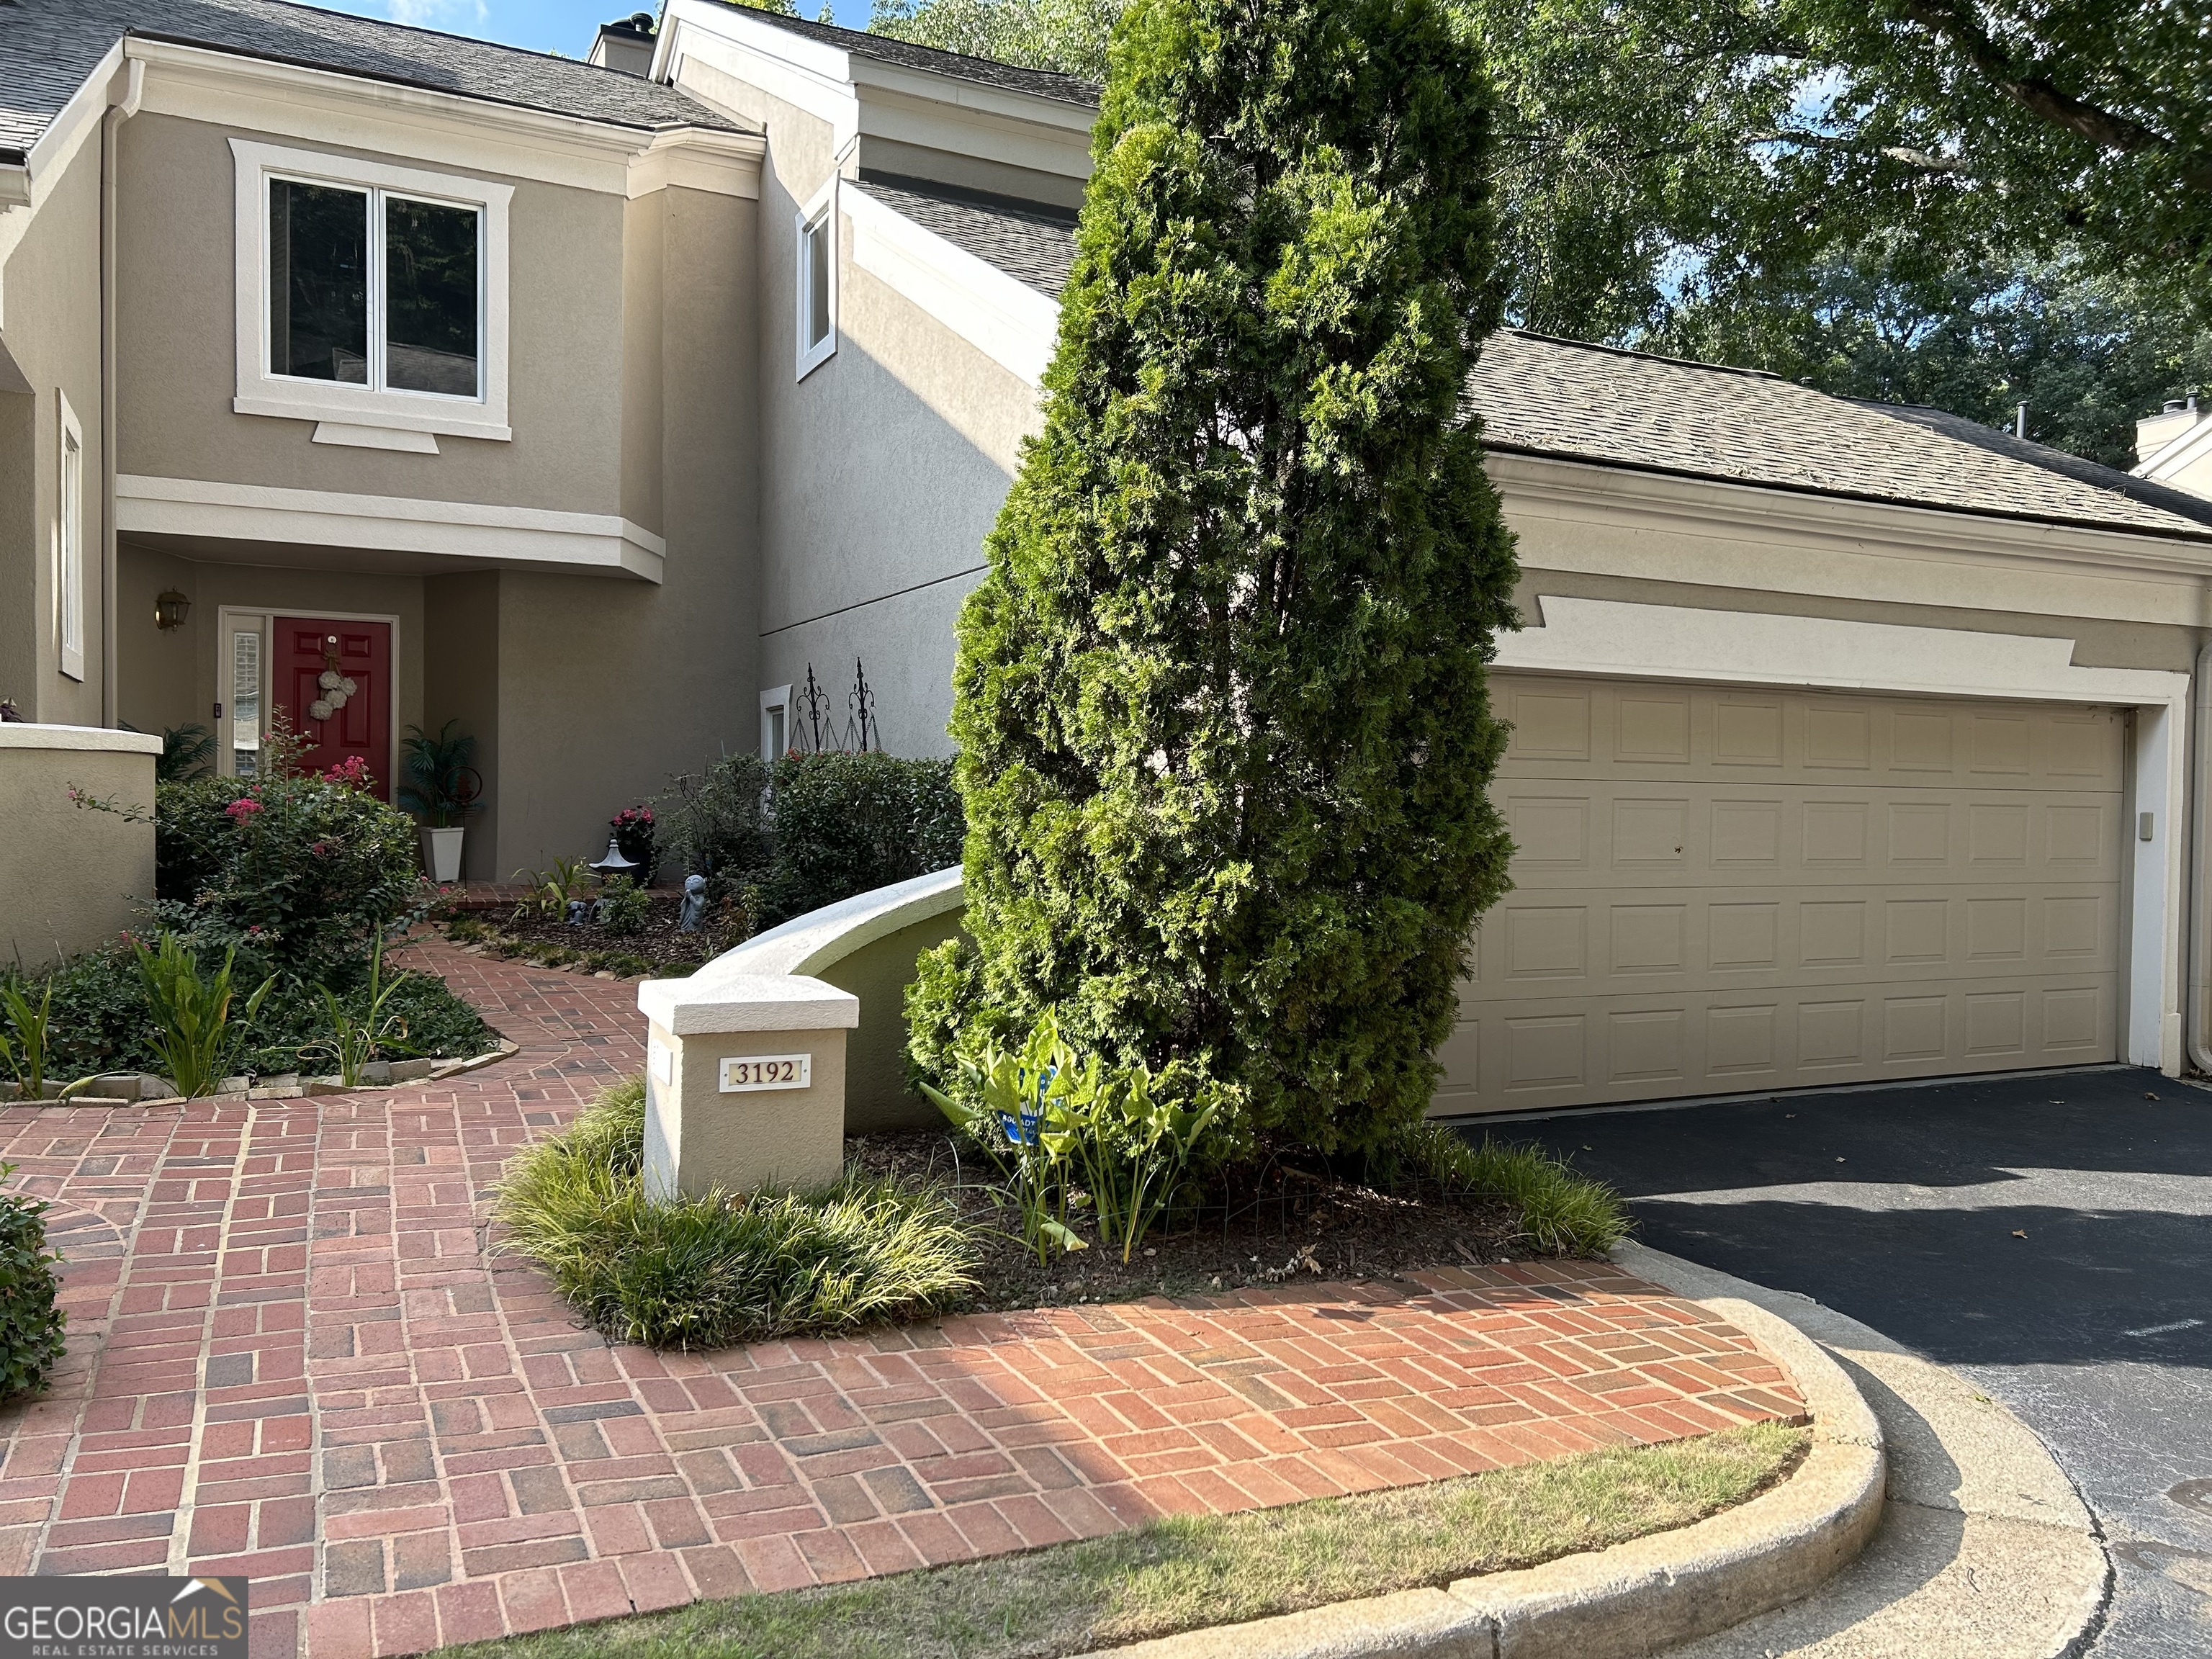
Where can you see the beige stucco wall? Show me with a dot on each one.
(882, 469)
(177, 325)
(877, 1097)
(52, 334)
(607, 688)
(71, 876)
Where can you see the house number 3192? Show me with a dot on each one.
(752, 1071)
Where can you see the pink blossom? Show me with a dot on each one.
(242, 809)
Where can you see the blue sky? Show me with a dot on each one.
(565, 25)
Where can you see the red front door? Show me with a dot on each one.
(333, 680)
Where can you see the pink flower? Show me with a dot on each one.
(353, 770)
(320, 848)
(242, 809)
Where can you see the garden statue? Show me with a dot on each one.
(580, 912)
(603, 908)
(693, 912)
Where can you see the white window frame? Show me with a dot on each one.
(262, 393)
(773, 703)
(69, 539)
(820, 213)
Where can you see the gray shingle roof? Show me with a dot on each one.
(47, 48)
(1542, 395)
(1030, 241)
(885, 49)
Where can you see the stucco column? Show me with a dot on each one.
(744, 1082)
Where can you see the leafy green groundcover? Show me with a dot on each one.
(100, 1023)
(32, 1323)
(709, 1272)
(1196, 1572)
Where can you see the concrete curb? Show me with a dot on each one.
(1985, 1550)
(1635, 1598)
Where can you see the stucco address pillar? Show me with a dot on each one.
(744, 1082)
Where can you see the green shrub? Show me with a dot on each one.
(301, 873)
(623, 906)
(708, 1272)
(25, 1053)
(1562, 1213)
(100, 1021)
(31, 1324)
(1221, 696)
(848, 823)
(712, 823)
(776, 842)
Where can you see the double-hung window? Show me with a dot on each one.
(370, 295)
(817, 279)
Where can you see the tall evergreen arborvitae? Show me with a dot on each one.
(1220, 700)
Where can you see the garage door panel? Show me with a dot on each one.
(1724, 888)
(1518, 1055)
(1619, 941)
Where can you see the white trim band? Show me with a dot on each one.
(316, 518)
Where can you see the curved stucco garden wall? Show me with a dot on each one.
(71, 876)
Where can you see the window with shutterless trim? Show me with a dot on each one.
(817, 284)
(69, 544)
(370, 294)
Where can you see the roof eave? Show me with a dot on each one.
(2102, 526)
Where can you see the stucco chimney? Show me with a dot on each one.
(625, 45)
(2155, 432)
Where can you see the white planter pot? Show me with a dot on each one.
(441, 854)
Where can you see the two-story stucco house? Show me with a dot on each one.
(593, 403)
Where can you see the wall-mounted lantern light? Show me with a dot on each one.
(170, 610)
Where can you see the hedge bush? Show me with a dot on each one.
(31, 1324)
(1221, 696)
(813, 829)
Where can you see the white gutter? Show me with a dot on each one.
(2194, 1018)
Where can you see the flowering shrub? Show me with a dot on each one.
(352, 771)
(301, 873)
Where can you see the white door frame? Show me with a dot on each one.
(1616, 639)
(269, 613)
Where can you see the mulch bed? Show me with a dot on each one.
(521, 931)
(1278, 1220)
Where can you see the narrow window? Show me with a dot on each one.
(69, 550)
(245, 702)
(430, 297)
(318, 281)
(774, 742)
(817, 280)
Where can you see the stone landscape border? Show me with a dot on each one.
(158, 1091)
(1632, 1599)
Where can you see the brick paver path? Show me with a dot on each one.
(291, 1356)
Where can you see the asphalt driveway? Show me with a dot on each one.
(2048, 1237)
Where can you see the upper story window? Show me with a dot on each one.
(817, 279)
(370, 294)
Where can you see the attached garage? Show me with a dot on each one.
(1724, 888)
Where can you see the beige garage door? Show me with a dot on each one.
(1721, 890)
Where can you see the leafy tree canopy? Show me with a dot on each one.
(1772, 178)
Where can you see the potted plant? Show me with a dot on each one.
(441, 789)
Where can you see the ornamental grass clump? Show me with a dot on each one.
(1220, 697)
(1562, 1213)
(705, 1272)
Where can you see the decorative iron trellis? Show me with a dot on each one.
(817, 728)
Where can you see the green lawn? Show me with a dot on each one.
(1186, 1573)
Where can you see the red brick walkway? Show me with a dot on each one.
(291, 1356)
